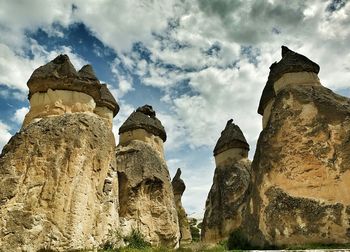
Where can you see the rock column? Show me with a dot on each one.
(146, 197)
(301, 177)
(58, 177)
(178, 189)
(227, 198)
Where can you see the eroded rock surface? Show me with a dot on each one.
(58, 185)
(178, 189)
(58, 177)
(146, 196)
(301, 176)
(228, 195)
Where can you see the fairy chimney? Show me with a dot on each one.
(226, 201)
(146, 196)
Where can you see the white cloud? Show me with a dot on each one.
(125, 111)
(174, 129)
(18, 17)
(124, 87)
(16, 68)
(132, 20)
(5, 134)
(222, 94)
(20, 114)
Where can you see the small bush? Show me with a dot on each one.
(114, 240)
(136, 240)
(237, 240)
(195, 233)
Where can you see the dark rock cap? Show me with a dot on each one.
(144, 118)
(87, 72)
(231, 137)
(291, 62)
(177, 183)
(60, 74)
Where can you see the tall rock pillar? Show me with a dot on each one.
(227, 198)
(145, 193)
(300, 172)
(178, 189)
(58, 174)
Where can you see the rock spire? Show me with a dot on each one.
(300, 173)
(146, 196)
(178, 189)
(227, 198)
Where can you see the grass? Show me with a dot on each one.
(318, 246)
(237, 241)
(193, 247)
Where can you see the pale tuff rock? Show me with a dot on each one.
(58, 174)
(146, 196)
(226, 202)
(59, 185)
(300, 173)
(178, 189)
(57, 88)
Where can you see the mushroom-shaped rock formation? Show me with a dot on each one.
(58, 176)
(292, 69)
(143, 125)
(227, 199)
(231, 138)
(178, 189)
(144, 118)
(300, 173)
(57, 88)
(145, 193)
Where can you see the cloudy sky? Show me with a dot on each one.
(198, 63)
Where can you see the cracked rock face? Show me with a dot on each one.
(59, 186)
(226, 201)
(178, 188)
(146, 196)
(300, 173)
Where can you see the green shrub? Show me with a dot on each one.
(195, 233)
(114, 240)
(237, 240)
(136, 240)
